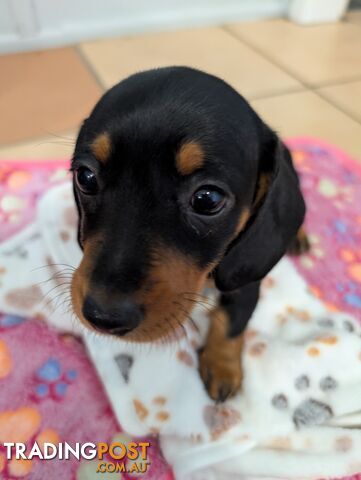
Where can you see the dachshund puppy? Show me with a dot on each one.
(176, 180)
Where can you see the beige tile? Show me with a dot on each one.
(210, 49)
(50, 147)
(353, 16)
(346, 96)
(306, 114)
(43, 92)
(317, 55)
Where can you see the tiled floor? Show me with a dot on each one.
(304, 81)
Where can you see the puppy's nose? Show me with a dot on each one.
(118, 319)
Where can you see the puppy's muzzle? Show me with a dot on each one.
(118, 319)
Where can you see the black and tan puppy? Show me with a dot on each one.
(177, 179)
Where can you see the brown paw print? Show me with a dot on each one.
(221, 374)
(302, 315)
(219, 419)
(154, 413)
(24, 298)
(159, 411)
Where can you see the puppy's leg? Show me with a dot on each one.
(300, 244)
(220, 359)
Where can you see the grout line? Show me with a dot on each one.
(313, 89)
(306, 87)
(90, 67)
(263, 54)
(335, 83)
(338, 107)
(278, 93)
(305, 84)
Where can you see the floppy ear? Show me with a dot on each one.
(278, 212)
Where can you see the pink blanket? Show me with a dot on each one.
(49, 389)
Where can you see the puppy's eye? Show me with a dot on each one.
(86, 181)
(208, 200)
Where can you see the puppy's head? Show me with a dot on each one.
(175, 177)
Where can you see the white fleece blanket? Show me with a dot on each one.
(301, 395)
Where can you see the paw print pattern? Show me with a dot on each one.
(51, 381)
(348, 326)
(156, 414)
(160, 414)
(343, 444)
(6, 362)
(326, 323)
(316, 252)
(280, 401)
(327, 384)
(9, 321)
(301, 315)
(124, 363)
(302, 383)
(11, 208)
(351, 289)
(20, 188)
(21, 425)
(311, 412)
(24, 298)
(186, 358)
(220, 419)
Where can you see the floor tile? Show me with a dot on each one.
(317, 55)
(58, 146)
(346, 96)
(210, 49)
(43, 92)
(307, 114)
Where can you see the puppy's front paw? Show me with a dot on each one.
(222, 376)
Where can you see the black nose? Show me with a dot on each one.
(117, 319)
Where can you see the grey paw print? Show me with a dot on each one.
(302, 383)
(326, 323)
(327, 384)
(348, 326)
(311, 412)
(124, 363)
(280, 401)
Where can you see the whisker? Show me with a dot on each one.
(54, 265)
(56, 286)
(188, 316)
(208, 307)
(199, 295)
(56, 277)
(62, 137)
(50, 300)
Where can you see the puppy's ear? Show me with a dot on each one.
(278, 212)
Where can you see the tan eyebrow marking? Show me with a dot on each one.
(243, 219)
(102, 147)
(263, 186)
(189, 158)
